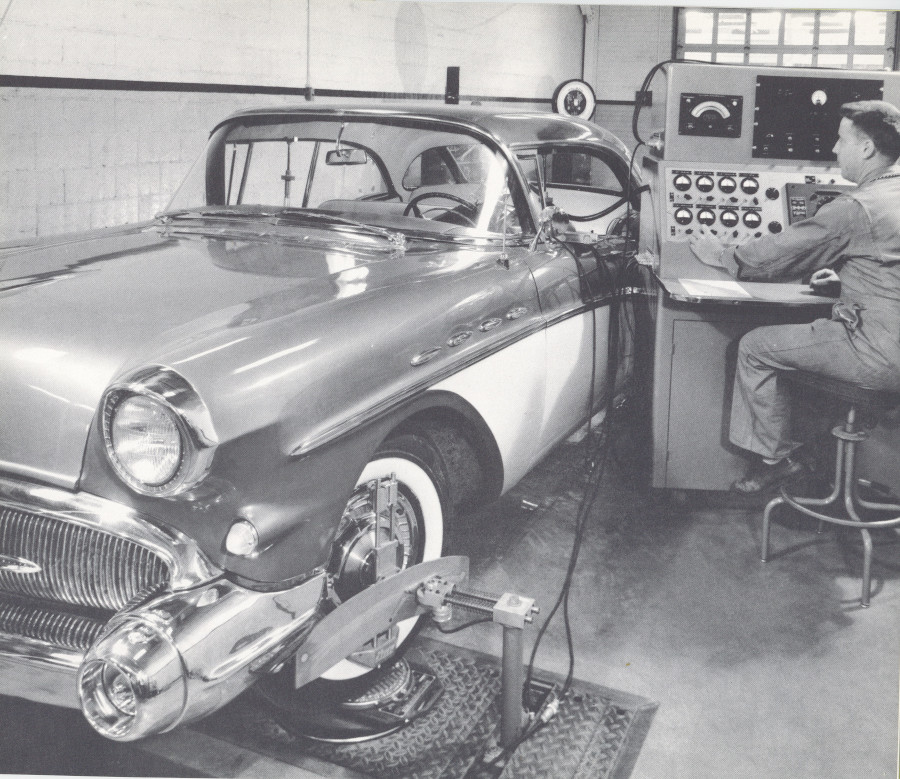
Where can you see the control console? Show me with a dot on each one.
(738, 204)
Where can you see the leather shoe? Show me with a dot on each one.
(762, 477)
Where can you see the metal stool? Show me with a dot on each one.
(848, 435)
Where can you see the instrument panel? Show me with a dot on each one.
(739, 204)
(796, 117)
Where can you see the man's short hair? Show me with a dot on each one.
(880, 121)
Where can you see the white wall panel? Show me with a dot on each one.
(71, 159)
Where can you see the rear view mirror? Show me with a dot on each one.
(346, 157)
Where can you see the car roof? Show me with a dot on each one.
(512, 128)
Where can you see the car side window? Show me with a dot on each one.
(430, 168)
(580, 182)
(459, 163)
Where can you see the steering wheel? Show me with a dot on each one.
(412, 207)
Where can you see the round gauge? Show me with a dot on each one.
(729, 218)
(682, 182)
(727, 184)
(752, 219)
(575, 98)
(706, 217)
(683, 216)
(749, 186)
(705, 183)
(819, 97)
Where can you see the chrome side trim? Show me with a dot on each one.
(328, 434)
(377, 410)
(188, 565)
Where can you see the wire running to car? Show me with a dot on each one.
(596, 453)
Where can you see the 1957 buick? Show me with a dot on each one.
(219, 427)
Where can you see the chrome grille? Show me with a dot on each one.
(77, 565)
(72, 631)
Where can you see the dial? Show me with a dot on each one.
(683, 216)
(727, 184)
(752, 219)
(682, 182)
(706, 217)
(729, 218)
(749, 186)
(704, 183)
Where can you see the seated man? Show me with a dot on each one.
(855, 238)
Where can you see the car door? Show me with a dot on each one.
(588, 185)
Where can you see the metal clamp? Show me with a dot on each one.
(511, 611)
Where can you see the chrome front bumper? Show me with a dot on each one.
(156, 664)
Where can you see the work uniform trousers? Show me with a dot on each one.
(868, 356)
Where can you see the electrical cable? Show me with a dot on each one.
(595, 458)
(597, 449)
(464, 625)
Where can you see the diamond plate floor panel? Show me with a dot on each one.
(597, 732)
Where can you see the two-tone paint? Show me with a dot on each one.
(308, 346)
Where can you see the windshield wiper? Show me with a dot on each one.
(215, 212)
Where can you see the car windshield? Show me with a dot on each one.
(399, 175)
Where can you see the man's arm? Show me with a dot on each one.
(801, 248)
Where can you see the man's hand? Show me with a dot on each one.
(824, 276)
(825, 282)
(707, 248)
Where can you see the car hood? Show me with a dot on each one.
(74, 315)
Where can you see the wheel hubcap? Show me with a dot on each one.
(361, 535)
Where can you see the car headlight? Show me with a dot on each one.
(157, 432)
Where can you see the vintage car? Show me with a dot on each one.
(221, 426)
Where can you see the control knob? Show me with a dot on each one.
(774, 227)
(772, 193)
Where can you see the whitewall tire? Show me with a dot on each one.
(574, 98)
(420, 528)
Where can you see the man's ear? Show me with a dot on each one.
(868, 147)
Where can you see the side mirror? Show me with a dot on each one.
(346, 156)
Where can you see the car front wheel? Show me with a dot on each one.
(419, 527)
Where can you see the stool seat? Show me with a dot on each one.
(862, 397)
(844, 494)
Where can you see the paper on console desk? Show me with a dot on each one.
(712, 288)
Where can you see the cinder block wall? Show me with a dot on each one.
(77, 158)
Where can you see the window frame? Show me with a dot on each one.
(713, 48)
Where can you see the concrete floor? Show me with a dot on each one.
(760, 670)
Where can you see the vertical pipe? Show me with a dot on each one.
(512, 680)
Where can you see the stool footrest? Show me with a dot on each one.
(796, 503)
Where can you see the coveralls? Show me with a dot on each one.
(858, 235)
